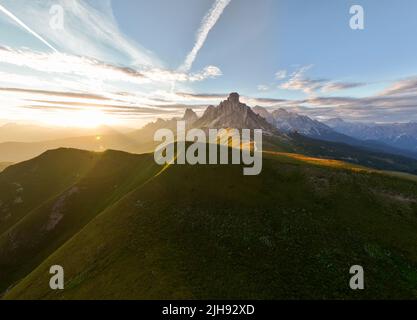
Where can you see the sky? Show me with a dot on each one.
(126, 62)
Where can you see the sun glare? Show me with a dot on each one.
(79, 119)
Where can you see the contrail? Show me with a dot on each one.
(207, 24)
(24, 26)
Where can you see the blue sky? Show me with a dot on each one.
(125, 61)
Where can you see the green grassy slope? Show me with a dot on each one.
(141, 141)
(27, 185)
(331, 150)
(42, 230)
(210, 232)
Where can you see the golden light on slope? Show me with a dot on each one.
(322, 162)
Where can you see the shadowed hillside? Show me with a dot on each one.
(200, 232)
(46, 201)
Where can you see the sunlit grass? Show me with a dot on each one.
(321, 162)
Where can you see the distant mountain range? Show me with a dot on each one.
(290, 132)
(292, 122)
(283, 131)
(399, 135)
(289, 122)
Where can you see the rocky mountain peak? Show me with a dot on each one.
(234, 98)
(283, 113)
(190, 116)
(288, 121)
(231, 113)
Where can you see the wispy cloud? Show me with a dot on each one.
(263, 87)
(108, 109)
(90, 54)
(89, 29)
(281, 74)
(402, 87)
(55, 93)
(26, 27)
(207, 24)
(338, 86)
(299, 81)
(202, 96)
(217, 97)
(64, 64)
(396, 103)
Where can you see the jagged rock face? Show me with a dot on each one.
(158, 124)
(234, 98)
(190, 116)
(291, 122)
(231, 113)
(264, 114)
(400, 135)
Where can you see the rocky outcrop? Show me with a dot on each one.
(231, 113)
(287, 121)
(190, 116)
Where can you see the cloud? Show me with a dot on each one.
(397, 103)
(24, 26)
(338, 86)
(352, 113)
(202, 96)
(109, 109)
(50, 108)
(61, 63)
(207, 73)
(207, 24)
(401, 87)
(218, 97)
(69, 107)
(89, 29)
(311, 87)
(298, 81)
(94, 56)
(65, 64)
(263, 101)
(263, 87)
(56, 93)
(281, 74)
(308, 86)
